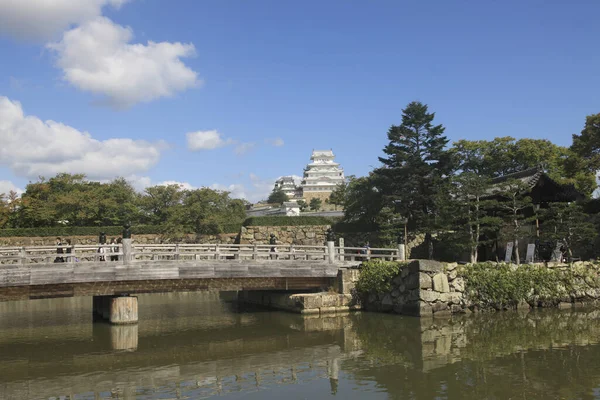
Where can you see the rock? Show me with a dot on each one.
(425, 309)
(387, 302)
(429, 266)
(440, 283)
(412, 281)
(395, 293)
(455, 309)
(429, 295)
(451, 298)
(451, 266)
(439, 306)
(425, 281)
(458, 285)
(397, 280)
(452, 275)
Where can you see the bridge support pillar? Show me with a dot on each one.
(118, 310)
(401, 252)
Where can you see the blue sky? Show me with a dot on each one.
(259, 84)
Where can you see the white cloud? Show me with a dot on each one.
(243, 148)
(97, 57)
(46, 19)
(32, 147)
(277, 142)
(7, 186)
(236, 191)
(182, 185)
(206, 140)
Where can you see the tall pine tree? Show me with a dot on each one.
(416, 169)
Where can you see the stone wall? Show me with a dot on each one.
(312, 235)
(225, 238)
(422, 288)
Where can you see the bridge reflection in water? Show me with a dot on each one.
(195, 345)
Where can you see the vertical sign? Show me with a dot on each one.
(530, 253)
(509, 250)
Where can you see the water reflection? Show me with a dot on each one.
(197, 345)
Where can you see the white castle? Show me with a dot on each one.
(320, 178)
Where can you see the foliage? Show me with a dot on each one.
(506, 155)
(315, 204)
(302, 204)
(363, 202)
(569, 224)
(415, 169)
(340, 193)
(502, 286)
(587, 144)
(78, 231)
(470, 214)
(513, 209)
(68, 200)
(289, 221)
(277, 196)
(376, 276)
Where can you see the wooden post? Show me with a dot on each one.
(216, 251)
(23, 255)
(176, 257)
(127, 251)
(254, 252)
(401, 252)
(331, 252)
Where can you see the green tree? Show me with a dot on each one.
(416, 169)
(315, 204)
(569, 224)
(363, 201)
(157, 203)
(587, 143)
(469, 212)
(506, 155)
(277, 196)
(339, 194)
(302, 204)
(514, 205)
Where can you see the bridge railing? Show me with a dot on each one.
(164, 252)
(70, 254)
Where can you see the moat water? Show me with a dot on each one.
(193, 346)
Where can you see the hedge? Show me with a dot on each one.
(78, 231)
(289, 221)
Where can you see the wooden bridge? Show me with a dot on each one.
(114, 273)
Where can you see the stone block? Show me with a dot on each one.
(387, 302)
(458, 285)
(451, 266)
(439, 306)
(451, 298)
(424, 281)
(412, 281)
(425, 309)
(440, 283)
(429, 295)
(430, 266)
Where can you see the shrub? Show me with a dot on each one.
(502, 286)
(289, 221)
(78, 231)
(376, 276)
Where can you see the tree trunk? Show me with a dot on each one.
(516, 246)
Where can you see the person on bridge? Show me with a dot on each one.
(59, 250)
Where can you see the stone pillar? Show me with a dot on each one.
(123, 310)
(342, 249)
(127, 251)
(401, 252)
(331, 251)
(116, 309)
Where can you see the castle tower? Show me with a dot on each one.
(321, 175)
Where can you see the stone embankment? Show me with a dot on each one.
(308, 235)
(422, 288)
